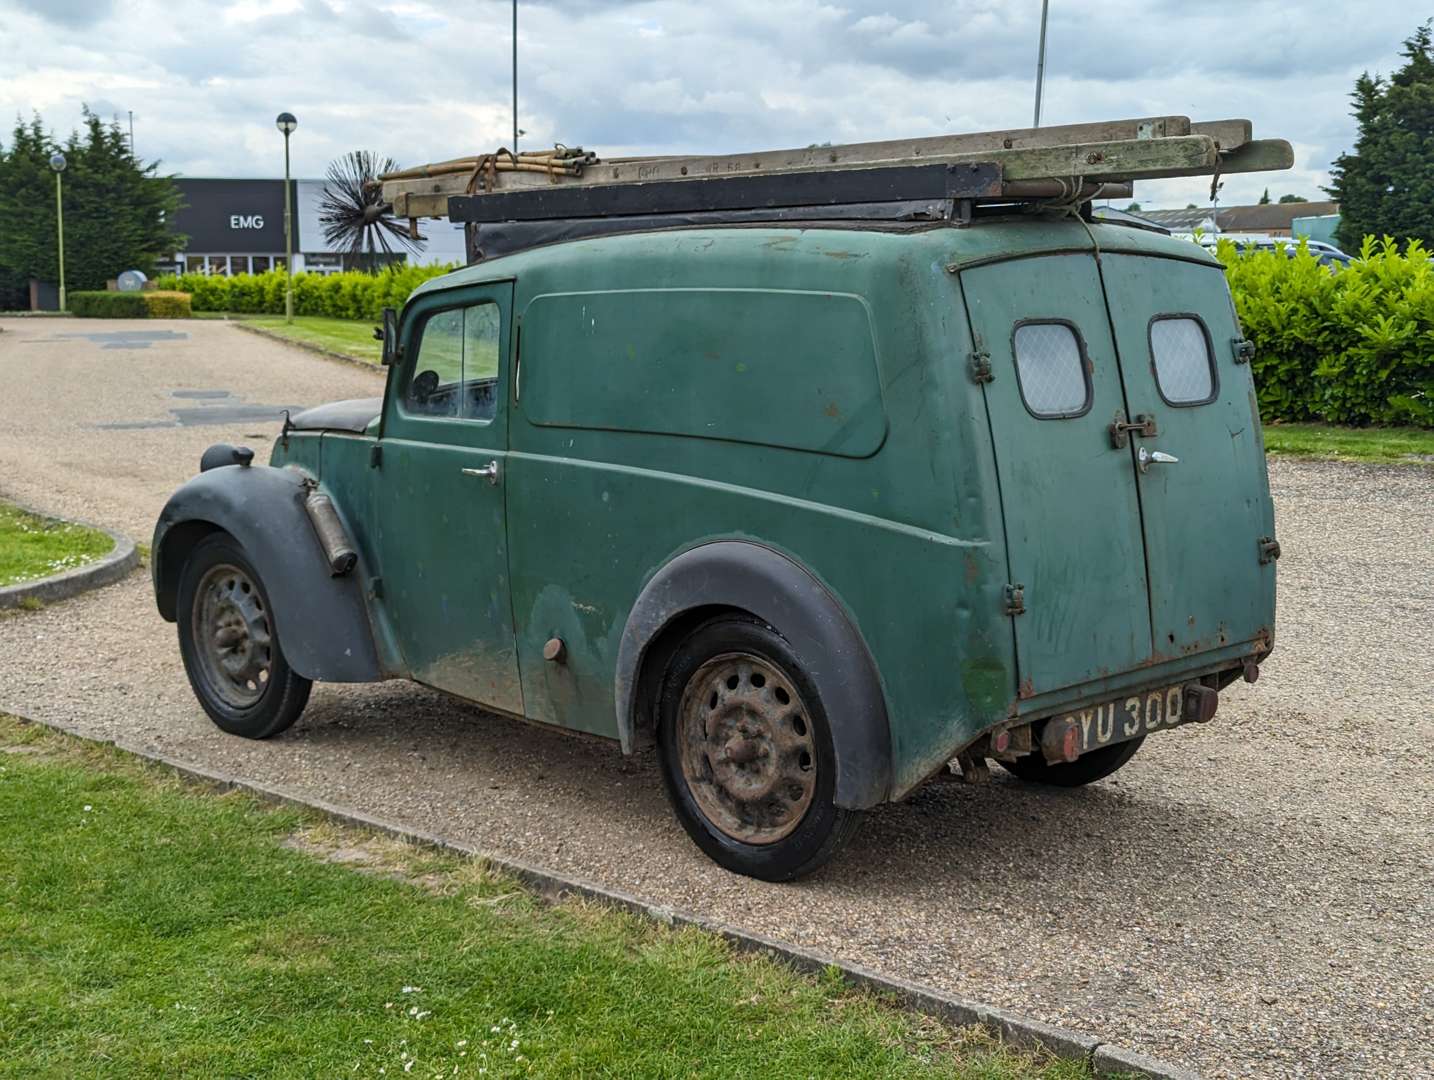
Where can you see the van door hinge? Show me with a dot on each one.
(375, 456)
(1269, 549)
(981, 367)
(1121, 428)
(1244, 350)
(1015, 599)
(375, 588)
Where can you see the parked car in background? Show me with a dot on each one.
(1327, 254)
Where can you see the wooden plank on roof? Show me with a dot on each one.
(1228, 133)
(851, 155)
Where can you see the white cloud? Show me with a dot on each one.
(427, 79)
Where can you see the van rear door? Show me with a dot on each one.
(1208, 513)
(1070, 502)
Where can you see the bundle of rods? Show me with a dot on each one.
(483, 168)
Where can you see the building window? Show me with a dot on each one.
(261, 263)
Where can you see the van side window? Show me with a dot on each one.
(456, 369)
(1184, 366)
(1051, 369)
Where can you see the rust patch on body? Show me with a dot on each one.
(1028, 688)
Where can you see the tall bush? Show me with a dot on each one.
(352, 295)
(1350, 347)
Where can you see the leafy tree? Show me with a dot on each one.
(1265, 198)
(117, 210)
(1386, 186)
(1133, 208)
(1291, 198)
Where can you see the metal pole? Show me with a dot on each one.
(515, 76)
(60, 231)
(288, 240)
(1041, 61)
(131, 133)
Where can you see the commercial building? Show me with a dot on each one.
(237, 227)
(1269, 219)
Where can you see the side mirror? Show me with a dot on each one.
(390, 336)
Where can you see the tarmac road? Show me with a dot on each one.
(1250, 898)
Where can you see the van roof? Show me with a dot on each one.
(954, 246)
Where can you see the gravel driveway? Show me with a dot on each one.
(1251, 898)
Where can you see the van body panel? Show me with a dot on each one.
(908, 539)
(775, 367)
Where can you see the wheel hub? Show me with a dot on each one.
(747, 750)
(233, 636)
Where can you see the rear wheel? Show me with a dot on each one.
(1086, 769)
(231, 652)
(747, 755)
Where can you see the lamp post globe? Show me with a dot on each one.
(57, 162)
(286, 123)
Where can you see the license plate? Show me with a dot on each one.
(1129, 717)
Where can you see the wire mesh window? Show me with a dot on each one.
(1180, 352)
(1050, 367)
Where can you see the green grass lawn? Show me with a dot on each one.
(34, 547)
(152, 928)
(1386, 445)
(347, 336)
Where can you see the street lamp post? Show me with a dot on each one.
(286, 123)
(57, 162)
(1041, 61)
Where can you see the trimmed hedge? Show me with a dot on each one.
(1354, 346)
(153, 304)
(350, 295)
(107, 305)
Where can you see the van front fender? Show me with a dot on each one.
(728, 574)
(320, 620)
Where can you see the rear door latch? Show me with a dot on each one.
(1244, 350)
(1015, 599)
(1269, 549)
(981, 367)
(1121, 428)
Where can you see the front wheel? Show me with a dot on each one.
(1086, 769)
(231, 652)
(746, 751)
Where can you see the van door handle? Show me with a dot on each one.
(1148, 458)
(488, 472)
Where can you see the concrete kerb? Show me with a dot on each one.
(122, 558)
(1016, 1030)
(319, 350)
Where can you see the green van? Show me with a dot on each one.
(819, 510)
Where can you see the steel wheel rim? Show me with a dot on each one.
(232, 636)
(746, 746)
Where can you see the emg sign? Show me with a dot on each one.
(246, 221)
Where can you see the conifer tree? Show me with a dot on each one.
(118, 212)
(1386, 186)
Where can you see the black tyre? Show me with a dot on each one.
(231, 652)
(746, 752)
(1086, 769)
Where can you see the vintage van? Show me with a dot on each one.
(817, 510)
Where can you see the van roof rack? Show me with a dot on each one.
(938, 177)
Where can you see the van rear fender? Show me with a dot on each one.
(321, 620)
(739, 575)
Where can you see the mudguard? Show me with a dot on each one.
(739, 574)
(321, 621)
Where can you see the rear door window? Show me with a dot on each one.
(1180, 353)
(1051, 369)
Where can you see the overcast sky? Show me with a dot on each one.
(422, 81)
